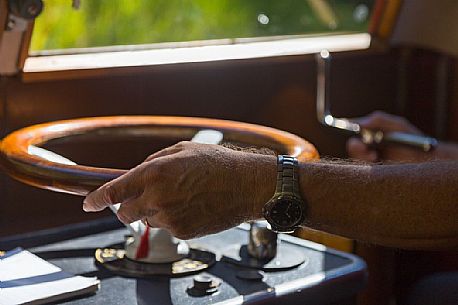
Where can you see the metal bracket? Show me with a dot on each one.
(16, 24)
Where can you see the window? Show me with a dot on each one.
(96, 23)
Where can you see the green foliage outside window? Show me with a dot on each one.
(124, 22)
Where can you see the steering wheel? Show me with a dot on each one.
(23, 159)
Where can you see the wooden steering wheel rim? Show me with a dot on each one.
(19, 162)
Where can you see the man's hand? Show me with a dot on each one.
(385, 122)
(191, 189)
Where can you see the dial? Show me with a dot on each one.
(286, 212)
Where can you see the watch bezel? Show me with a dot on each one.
(276, 227)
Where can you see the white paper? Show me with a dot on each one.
(29, 278)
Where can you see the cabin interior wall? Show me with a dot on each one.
(4, 215)
(276, 92)
(452, 124)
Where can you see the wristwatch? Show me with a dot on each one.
(285, 211)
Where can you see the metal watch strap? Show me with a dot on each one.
(287, 175)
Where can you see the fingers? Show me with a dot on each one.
(130, 185)
(156, 221)
(119, 190)
(135, 209)
(358, 150)
(386, 122)
(164, 152)
(169, 150)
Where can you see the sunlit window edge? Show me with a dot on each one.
(178, 44)
(194, 54)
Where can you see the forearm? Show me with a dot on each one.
(402, 205)
(193, 189)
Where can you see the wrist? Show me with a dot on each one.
(286, 210)
(266, 173)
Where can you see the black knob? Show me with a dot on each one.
(27, 9)
(202, 282)
(203, 285)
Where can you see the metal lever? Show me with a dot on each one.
(369, 137)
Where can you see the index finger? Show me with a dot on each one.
(116, 191)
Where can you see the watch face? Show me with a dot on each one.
(286, 212)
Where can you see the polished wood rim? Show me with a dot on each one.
(19, 159)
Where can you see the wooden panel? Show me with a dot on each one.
(424, 24)
(421, 90)
(3, 17)
(25, 45)
(453, 105)
(4, 213)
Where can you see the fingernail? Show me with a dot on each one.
(88, 203)
(86, 207)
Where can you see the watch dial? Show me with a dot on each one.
(286, 213)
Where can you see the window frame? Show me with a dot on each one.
(81, 63)
(74, 63)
